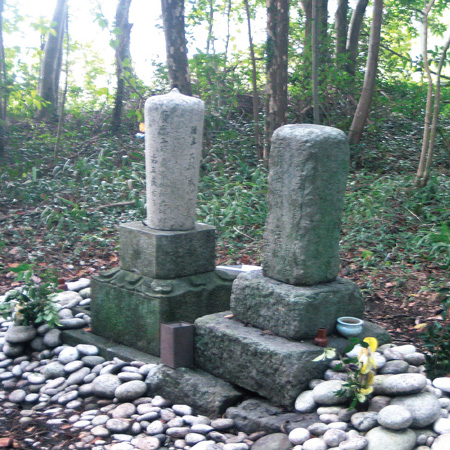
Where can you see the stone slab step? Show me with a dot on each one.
(107, 348)
(207, 394)
(271, 366)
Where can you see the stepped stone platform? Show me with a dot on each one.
(274, 367)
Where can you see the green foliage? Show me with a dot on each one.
(234, 203)
(71, 198)
(437, 340)
(391, 222)
(436, 242)
(33, 303)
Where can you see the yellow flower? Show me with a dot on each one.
(373, 343)
(370, 377)
(365, 355)
(366, 391)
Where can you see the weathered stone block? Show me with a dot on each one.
(167, 254)
(270, 366)
(129, 308)
(205, 393)
(307, 178)
(294, 312)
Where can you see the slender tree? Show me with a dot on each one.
(431, 112)
(354, 33)
(315, 53)
(340, 27)
(259, 148)
(122, 31)
(322, 32)
(210, 37)
(51, 64)
(365, 100)
(227, 39)
(64, 96)
(315, 45)
(277, 65)
(306, 6)
(321, 22)
(174, 32)
(426, 129)
(3, 86)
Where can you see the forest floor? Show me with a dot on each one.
(385, 298)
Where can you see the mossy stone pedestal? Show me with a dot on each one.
(164, 276)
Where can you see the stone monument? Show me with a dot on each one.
(298, 291)
(167, 263)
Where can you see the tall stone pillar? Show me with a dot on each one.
(307, 178)
(173, 149)
(167, 263)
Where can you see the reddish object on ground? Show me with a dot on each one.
(321, 339)
(62, 284)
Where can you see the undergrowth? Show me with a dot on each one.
(80, 196)
(72, 202)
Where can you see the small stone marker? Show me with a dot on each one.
(173, 147)
(307, 178)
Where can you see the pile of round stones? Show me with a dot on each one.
(407, 411)
(106, 404)
(20, 339)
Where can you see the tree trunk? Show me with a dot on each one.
(429, 132)
(306, 6)
(363, 108)
(122, 31)
(174, 32)
(340, 26)
(259, 148)
(227, 40)
(354, 32)
(51, 64)
(429, 104)
(315, 53)
(322, 32)
(277, 64)
(210, 38)
(3, 87)
(315, 46)
(307, 9)
(64, 97)
(437, 103)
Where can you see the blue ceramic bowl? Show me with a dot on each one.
(349, 326)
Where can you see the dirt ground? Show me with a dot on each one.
(398, 306)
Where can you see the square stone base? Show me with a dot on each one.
(271, 366)
(129, 308)
(294, 312)
(167, 254)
